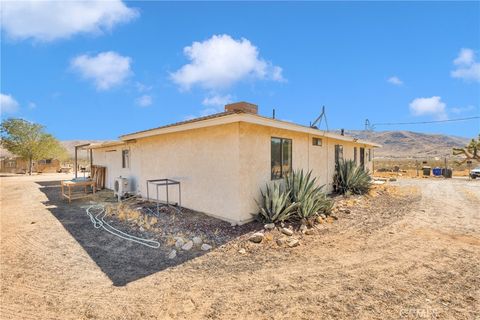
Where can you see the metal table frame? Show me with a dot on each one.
(166, 183)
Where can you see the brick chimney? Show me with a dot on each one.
(242, 106)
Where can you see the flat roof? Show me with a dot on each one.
(105, 144)
(239, 116)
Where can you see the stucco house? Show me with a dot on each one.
(223, 160)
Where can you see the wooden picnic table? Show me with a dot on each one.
(69, 184)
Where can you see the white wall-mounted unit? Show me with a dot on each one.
(121, 187)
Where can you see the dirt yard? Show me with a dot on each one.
(408, 252)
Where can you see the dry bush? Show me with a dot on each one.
(124, 212)
(153, 220)
(170, 241)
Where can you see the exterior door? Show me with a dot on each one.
(362, 158)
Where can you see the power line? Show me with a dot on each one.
(423, 122)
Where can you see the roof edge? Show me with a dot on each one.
(231, 117)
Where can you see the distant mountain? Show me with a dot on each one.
(70, 146)
(395, 144)
(405, 144)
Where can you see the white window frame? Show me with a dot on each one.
(126, 159)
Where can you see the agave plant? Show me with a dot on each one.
(351, 179)
(304, 191)
(276, 205)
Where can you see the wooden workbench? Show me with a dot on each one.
(67, 185)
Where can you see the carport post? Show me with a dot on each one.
(91, 161)
(76, 156)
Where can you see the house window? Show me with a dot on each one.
(355, 155)
(317, 141)
(41, 162)
(362, 158)
(11, 164)
(125, 158)
(281, 153)
(338, 153)
(48, 161)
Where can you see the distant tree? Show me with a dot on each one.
(29, 141)
(471, 151)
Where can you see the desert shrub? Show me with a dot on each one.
(275, 205)
(350, 178)
(310, 198)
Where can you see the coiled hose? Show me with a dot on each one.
(97, 214)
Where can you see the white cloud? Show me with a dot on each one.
(458, 110)
(189, 117)
(221, 61)
(429, 106)
(142, 87)
(144, 101)
(395, 80)
(217, 100)
(213, 104)
(208, 111)
(8, 104)
(465, 57)
(107, 69)
(51, 20)
(467, 67)
(32, 105)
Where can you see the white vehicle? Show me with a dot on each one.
(475, 173)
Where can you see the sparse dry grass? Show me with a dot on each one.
(390, 257)
(408, 167)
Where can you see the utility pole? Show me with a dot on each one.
(445, 175)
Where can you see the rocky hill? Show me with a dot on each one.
(395, 144)
(70, 146)
(406, 144)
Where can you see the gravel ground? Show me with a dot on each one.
(409, 251)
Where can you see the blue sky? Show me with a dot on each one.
(128, 66)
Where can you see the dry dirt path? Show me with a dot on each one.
(417, 258)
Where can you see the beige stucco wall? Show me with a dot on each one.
(111, 158)
(255, 159)
(221, 168)
(205, 161)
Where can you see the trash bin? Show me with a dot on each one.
(426, 170)
(437, 171)
(447, 172)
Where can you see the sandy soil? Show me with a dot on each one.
(410, 254)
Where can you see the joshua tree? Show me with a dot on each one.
(471, 151)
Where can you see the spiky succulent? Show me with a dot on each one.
(275, 205)
(304, 190)
(350, 178)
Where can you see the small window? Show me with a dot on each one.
(317, 141)
(11, 164)
(281, 157)
(42, 162)
(338, 153)
(125, 158)
(48, 161)
(355, 155)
